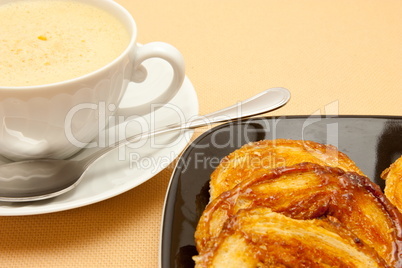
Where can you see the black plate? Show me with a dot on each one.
(372, 142)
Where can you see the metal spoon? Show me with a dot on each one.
(34, 180)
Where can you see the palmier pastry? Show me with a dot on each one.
(258, 237)
(258, 157)
(393, 183)
(309, 191)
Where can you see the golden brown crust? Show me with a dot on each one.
(308, 191)
(259, 157)
(258, 237)
(393, 183)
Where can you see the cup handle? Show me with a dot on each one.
(156, 50)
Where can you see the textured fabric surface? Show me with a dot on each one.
(336, 57)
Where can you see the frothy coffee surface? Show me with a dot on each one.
(43, 42)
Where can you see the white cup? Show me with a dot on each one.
(38, 121)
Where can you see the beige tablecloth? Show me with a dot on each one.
(342, 57)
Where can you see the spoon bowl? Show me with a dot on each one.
(40, 179)
(26, 179)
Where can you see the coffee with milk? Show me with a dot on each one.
(49, 41)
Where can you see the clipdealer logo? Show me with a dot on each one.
(114, 128)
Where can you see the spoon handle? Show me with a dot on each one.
(263, 102)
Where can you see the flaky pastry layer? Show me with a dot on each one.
(393, 183)
(258, 237)
(308, 191)
(255, 159)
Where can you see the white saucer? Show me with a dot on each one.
(120, 171)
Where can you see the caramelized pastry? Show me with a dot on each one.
(259, 157)
(393, 183)
(308, 191)
(258, 237)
